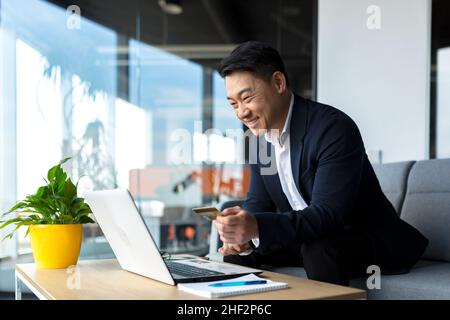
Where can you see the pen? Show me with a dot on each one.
(237, 283)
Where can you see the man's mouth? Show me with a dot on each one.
(253, 123)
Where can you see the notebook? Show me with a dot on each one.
(205, 290)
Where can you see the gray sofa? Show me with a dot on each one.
(420, 192)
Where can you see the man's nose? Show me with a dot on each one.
(242, 113)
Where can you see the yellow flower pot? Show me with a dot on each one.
(56, 246)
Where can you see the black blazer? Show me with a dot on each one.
(337, 181)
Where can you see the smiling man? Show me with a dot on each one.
(323, 209)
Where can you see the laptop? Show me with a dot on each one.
(132, 243)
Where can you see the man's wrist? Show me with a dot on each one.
(246, 252)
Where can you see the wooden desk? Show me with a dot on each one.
(104, 279)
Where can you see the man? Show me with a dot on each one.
(323, 209)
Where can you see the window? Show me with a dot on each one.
(440, 80)
(443, 103)
(124, 94)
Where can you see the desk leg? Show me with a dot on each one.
(18, 287)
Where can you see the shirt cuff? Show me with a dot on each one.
(254, 243)
(246, 252)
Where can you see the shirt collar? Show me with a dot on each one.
(286, 128)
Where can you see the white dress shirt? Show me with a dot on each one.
(282, 147)
(281, 143)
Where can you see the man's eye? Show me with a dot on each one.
(247, 99)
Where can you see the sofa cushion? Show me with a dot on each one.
(427, 205)
(427, 280)
(392, 178)
(292, 271)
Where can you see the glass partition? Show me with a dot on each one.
(132, 94)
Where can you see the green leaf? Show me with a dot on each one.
(84, 219)
(61, 177)
(64, 160)
(11, 221)
(56, 170)
(66, 219)
(24, 223)
(34, 217)
(56, 202)
(41, 191)
(76, 205)
(52, 172)
(84, 211)
(70, 191)
(18, 225)
(43, 206)
(54, 219)
(9, 235)
(19, 205)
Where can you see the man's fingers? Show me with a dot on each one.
(227, 250)
(244, 247)
(228, 239)
(227, 234)
(224, 228)
(230, 211)
(229, 220)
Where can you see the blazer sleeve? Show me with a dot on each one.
(258, 200)
(340, 159)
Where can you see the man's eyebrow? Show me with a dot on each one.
(241, 92)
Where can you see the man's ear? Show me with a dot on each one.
(279, 81)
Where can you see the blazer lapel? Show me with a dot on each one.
(271, 178)
(297, 132)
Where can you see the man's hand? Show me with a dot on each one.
(229, 249)
(236, 226)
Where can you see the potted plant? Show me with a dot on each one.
(54, 216)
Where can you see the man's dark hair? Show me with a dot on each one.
(256, 57)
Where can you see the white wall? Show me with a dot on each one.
(443, 102)
(7, 134)
(377, 71)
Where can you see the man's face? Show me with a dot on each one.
(255, 101)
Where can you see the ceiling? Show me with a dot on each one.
(207, 30)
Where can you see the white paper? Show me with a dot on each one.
(203, 289)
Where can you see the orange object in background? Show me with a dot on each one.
(171, 233)
(189, 233)
(145, 182)
(213, 183)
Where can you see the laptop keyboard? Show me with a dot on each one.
(189, 271)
